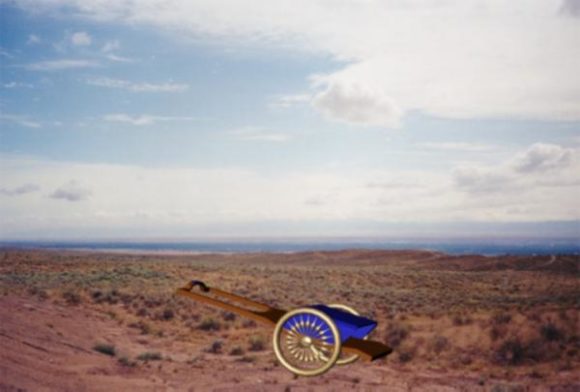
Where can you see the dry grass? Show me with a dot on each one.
(437, 311)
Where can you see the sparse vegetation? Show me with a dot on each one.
(459, 313)
(210, 324)
(106, 349)
(216, 347)
(237, 351)
(126, 362)
(71, 297)
(149, 356)
(256, 343)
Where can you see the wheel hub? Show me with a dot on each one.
(306, 341)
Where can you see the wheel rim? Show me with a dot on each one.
(306, 342)
(345, 359)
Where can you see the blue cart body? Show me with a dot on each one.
(348, 325)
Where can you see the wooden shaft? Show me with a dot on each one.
(368, 350)
(237, 298)
(269, 317)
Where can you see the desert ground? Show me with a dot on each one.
(98, 321)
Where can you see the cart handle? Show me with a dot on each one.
(199, 283)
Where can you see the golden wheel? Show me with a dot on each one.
(306, 342)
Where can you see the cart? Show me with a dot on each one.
(307, 341)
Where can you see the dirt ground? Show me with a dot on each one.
(70, 321)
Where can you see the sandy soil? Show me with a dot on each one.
(48, 344)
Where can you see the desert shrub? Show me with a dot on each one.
(495, 333)
(209, 324)
(395, 335)
(247, 358)
(167, 314)
(256, 343)
(502, 318)
(216, 347)
(237, 351)
(106, 349)
(249, 324)
(142, 312)
(149, 356)
(71, 297)
(229, 316)
(439, 344)
(126, 362)
(405, 356)
(38, 293)
(96, 295)
(142, 326)
(460, 319)
(551, 333)
(510, 352)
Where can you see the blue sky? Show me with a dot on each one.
(217, 118)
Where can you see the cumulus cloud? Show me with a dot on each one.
(357, 103)
(62, 64)
(477, 179)
(19, 190)
(541, 165)
(144, 119)
(177, 200)
(453, 59)
(541, 157)
(81, 38)
(71, 191)
(571, 8)
(139, 87)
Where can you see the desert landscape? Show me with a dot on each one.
(98, 321)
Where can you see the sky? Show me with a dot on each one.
(160, 119)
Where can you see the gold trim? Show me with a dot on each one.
(279, 329)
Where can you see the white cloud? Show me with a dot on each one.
(172, 200)
(477, 179)
(33, 39)
(454, 59)
(109, 49)
(6, 54)
(542, 157)
(357, 103)
(17, 85)
(111, 46)
(62, 64)
(458, 146)
(119, 59)
(140, 87)
(81, 38)
(71, 191)
(19, 120)
(144, 119)
(571, 8)
(260, 134)
(541, 165)
(19, 190)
